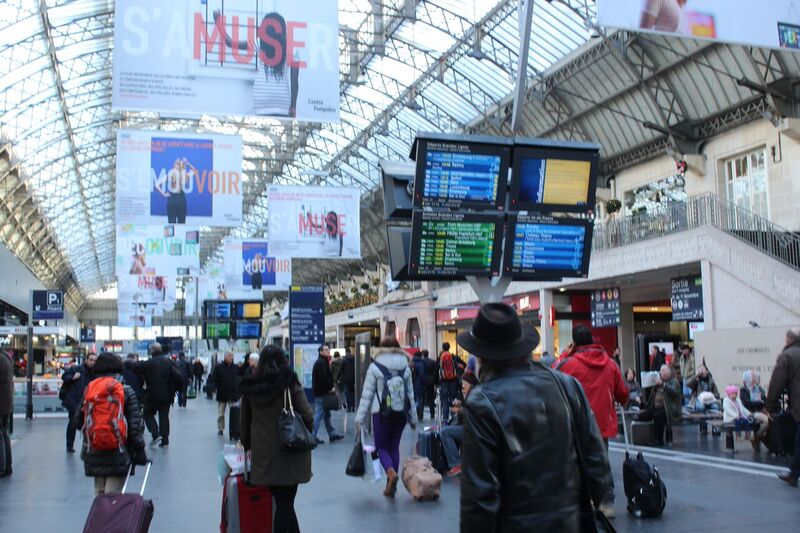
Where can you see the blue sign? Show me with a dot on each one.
(306, 328)
(48, 305)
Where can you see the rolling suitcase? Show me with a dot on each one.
(781, 434)
(245, 508)
(121, 513)
(234, 415)
(429, 444)
(644, 489)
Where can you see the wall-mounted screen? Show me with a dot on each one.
(446, 245)
(399, 240)
(546, 179)
(540, 247)
(461, 174)
(248, 309)
(248, 330)
(218, 310)
(217, 330)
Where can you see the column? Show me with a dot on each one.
(708, 294)
(627, 335)
(547, 340)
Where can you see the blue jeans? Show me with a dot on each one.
(700, 407)
(319, 414)
(451, 435)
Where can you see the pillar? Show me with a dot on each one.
(547, 340)
(708, 294)
(627, 335)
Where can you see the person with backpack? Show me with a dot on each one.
(448, 379)
(197, 371)
(132, 378)
(186, 369)
(75, 379)
(388, 395)
(111, 422)
(161, 379)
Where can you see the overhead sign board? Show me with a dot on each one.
(687, 298)
(48, 305)
(605, 307)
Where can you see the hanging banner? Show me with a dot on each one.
(306, 328)
(251, 269)
(773, 24)
(178, 178)
(687, 298)
(157, 250)
(314, 222)
(135, 314)
(272, 58)
(605, 308)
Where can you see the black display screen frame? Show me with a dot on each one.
(546, 274)
(522, 152)
(207, 306)
(222, 322)
(235, 333)
(459, 274)
(419, 201)
(236, 303)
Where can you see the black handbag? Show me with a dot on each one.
(592, 519)
(355, 465)
(292, 431)
(330, 402)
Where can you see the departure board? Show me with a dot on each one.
(540, 247)
(458, 175)
(551, 180)
(452, 245)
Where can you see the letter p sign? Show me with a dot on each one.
(55, 299)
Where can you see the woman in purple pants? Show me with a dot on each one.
(389, 396)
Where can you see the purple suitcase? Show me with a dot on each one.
(121, 513)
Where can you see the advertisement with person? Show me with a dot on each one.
(135, 314)
(157, 250)
(178, 178)
(773, 24)
(314, 222)
(250, 268)
(270, 58)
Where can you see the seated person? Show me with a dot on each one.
(734, 412)
(453, 433)
(753, 397)
(703, 382)
(664, 404)
(635, 396)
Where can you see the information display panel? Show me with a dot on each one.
(248, 330)
(218, 310)
(540, 247)
(456, 175)
(217, 330)
(246, 309)
(447, 245)
(553, 180)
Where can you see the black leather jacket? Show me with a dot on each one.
(520, 471)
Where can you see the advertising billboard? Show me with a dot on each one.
(156, 250)
(272, 58)
(314, 222)
(773, 24)
(178, 178)
(251, 268)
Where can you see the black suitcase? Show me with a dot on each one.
(644, 489)
(429, 445)
(234, 431)
(121, 513)
(781, 434)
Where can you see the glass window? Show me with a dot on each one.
(746, 182)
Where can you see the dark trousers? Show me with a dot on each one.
(198, 383)
(5, 445)
(160, 429)
(795, 466)
(182, 396)
(71, 428)
(448, 391)
(430, 400)
(419, 398)
(388, 431)
(659, 418)
(350, 396)
(285, 520)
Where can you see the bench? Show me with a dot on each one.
(729, 428)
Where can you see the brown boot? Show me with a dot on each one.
(391, 483)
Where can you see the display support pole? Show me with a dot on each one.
(489, 290)
(196, 312)
(29, 366)
(525, 12)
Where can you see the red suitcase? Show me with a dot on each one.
(246, 508)
(121, 513)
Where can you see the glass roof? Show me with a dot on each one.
(55, 108)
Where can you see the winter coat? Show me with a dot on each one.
(186, 369)
(418, 374)
(321, 377)
(520, 470)
(197, 368)
(683, 367)
(336, 369)
(226, 380)
(786, 377)
(262, 403)
(161, 379)
(75, 388)
(698, 385)
(6, 384)
(134, 380)
(115, 462)
(732, 410)
(755, 406)
(349, 371)
(672, 400)
(601, 380)
(430, 372)
(393, 359)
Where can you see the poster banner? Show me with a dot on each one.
(273, 58)
(314, 222)
(306, 328)
(250, 268)
(178, 178)
(135, 314)
(605, 307)
(773, 24)
(157, 250)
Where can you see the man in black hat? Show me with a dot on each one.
(520, 468)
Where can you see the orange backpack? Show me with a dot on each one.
(104, 424)
(448, 366)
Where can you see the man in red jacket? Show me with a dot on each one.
(603, 383)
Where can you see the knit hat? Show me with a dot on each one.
(793, 336)
(730, 389)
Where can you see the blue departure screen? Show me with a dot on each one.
(548, 247)
(248, 330)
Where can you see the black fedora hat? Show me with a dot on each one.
(497, 334)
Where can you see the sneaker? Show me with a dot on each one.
(336, 437)
(607, 509)
(455, 471)
(789, 479)
(320, 441)
(164, 443)
(219, 432)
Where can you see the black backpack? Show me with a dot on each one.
(646, 493)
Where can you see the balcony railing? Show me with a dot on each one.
(698, 211)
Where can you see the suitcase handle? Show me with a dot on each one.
(144, 482)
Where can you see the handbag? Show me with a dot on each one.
(592, 519)
(330, 402)
(292, 431)
(355, 464)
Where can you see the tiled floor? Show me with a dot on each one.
(48, 491)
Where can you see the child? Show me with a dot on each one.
(734, 411)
